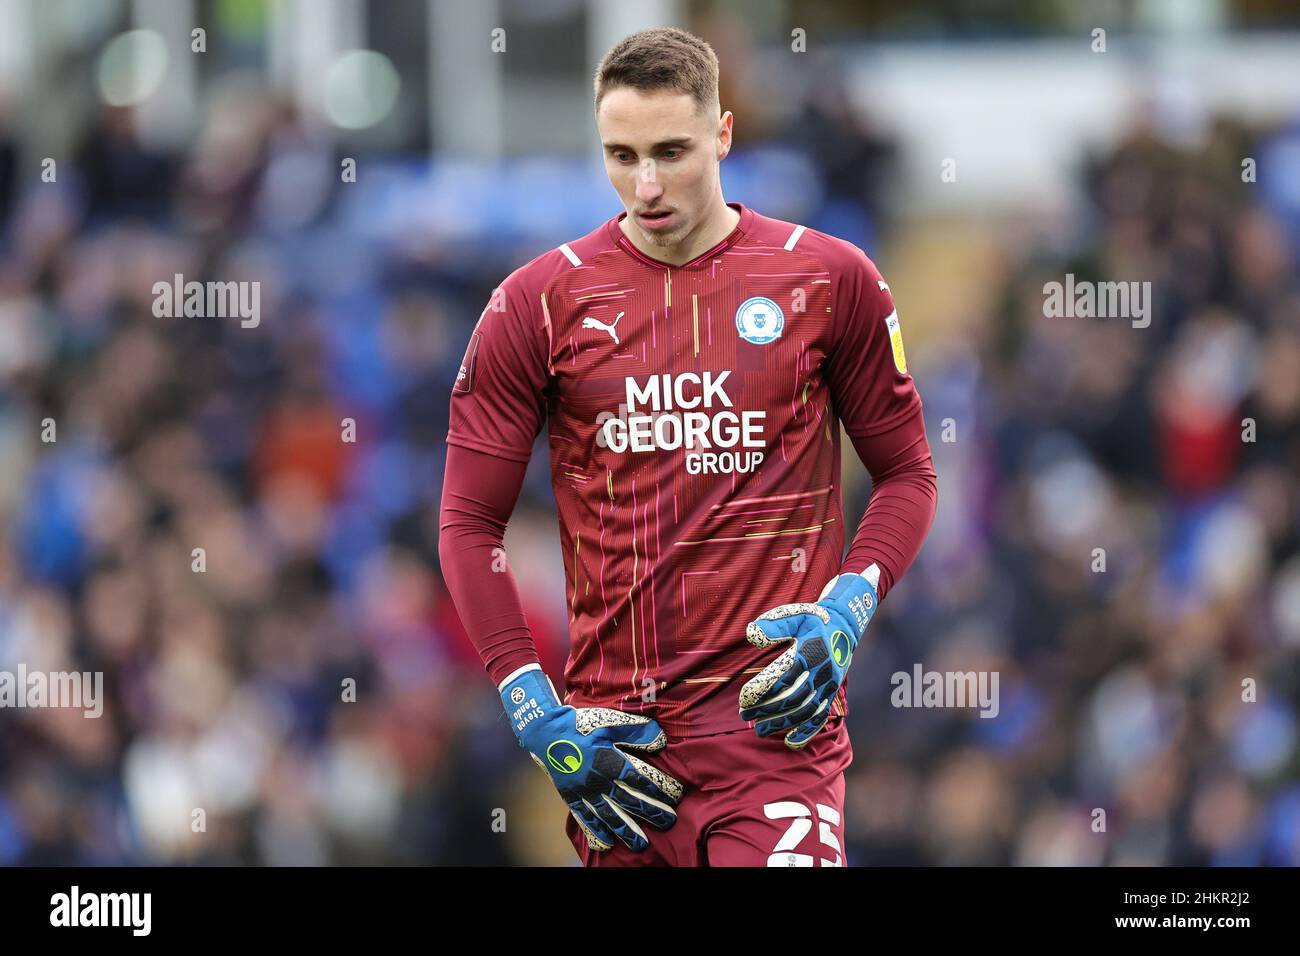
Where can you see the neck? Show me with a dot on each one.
(710, 231)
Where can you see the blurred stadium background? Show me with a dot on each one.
(1120, 690)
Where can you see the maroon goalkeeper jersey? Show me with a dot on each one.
(695, 450)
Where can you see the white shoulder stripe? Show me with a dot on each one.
(794, 237)
(570, 254)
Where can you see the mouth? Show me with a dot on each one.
(654, 220)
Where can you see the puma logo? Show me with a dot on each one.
(591, 323)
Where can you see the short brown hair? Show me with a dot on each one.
(661, 59)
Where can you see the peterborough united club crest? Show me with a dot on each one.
(759, 320)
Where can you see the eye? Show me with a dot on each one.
(623, 157)
(671, 154)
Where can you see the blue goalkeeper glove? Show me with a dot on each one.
(795, 691)
(583, 750)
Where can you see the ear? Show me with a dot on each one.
(724, 135)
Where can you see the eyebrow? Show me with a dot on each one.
(679, 141)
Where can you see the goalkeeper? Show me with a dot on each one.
(694, 362)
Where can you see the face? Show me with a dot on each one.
(662, 156)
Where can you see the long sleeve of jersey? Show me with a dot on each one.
(479, 493)
(904, 498)
(877, 400)
(498, 407)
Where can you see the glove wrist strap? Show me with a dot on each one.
(855, 595)
(528, 695)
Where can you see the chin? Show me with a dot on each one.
(663, 238)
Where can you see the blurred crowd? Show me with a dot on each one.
(1117, 534)
(1117, 537)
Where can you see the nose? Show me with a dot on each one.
(648, 188)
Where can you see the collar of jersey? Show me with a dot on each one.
(622, 241)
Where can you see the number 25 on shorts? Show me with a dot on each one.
(800, 818)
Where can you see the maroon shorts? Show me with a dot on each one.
(749, 801)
